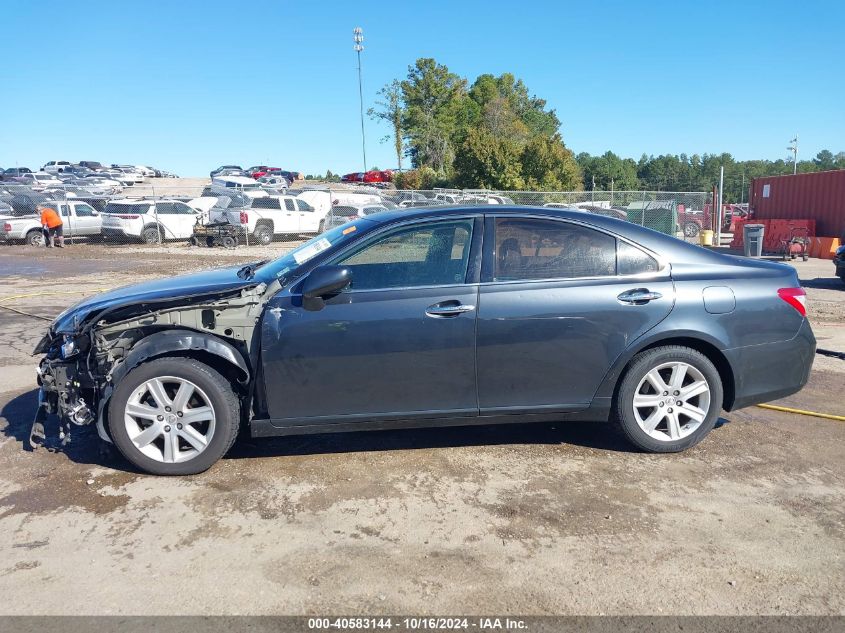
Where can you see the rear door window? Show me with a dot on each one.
(289, 204)
(633, 261)
(536, 249)
(266, 203)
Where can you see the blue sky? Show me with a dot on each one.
(188, 85)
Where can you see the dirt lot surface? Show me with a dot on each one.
(532, 519)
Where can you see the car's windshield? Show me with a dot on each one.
(333, 238)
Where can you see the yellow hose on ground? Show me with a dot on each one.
(60, 292)
(826, 416)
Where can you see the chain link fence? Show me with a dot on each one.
(195, 212)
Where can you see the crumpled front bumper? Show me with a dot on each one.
(63, 390)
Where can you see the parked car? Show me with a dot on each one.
(78, 217)
(290, 176)
(406, 196)
(39, 180)
(244, 184)
(55, 166)
(147, 172)
(74, 171)
(215, 172)
(376, 175)
(272, 216)
(256, 171)
(342, 214)
(11, 173)
(101, 185)
(148, 220)
(93, 165)
(273, 182)
(409, 319)
(132, 175)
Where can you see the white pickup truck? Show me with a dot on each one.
(272, 216)
(78, 219)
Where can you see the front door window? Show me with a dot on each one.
(431, 254)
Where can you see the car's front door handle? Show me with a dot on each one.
(638, 296)
(448, 309)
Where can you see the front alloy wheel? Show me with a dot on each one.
(169, 419)
(173, 416)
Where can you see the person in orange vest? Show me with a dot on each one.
(51, 224)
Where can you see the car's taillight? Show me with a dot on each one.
(7, 227)
(796, 297)
(244, 217)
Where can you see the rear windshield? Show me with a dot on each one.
(135, 209)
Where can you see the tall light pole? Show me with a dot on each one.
(358, 37)
(794, 149)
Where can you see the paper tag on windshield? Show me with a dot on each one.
(303, 255)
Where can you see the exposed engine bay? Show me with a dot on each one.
(83, 362)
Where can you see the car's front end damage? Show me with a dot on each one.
(91, 345)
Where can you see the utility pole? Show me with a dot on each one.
(721, 190)
(794, 149)
(358, 37)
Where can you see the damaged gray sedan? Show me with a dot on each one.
(426, 318)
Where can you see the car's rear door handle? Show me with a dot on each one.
(448, 309)
(638, 296)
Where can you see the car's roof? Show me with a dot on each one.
(669, 247)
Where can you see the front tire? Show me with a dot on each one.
(173, 416)
(669, 399)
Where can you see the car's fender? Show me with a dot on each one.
(180, 341)
(649, 339)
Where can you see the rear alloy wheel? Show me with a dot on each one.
(173, 416)
(151, 235)
(690, 229)
(669, 399)
(35, 238)
(263, 235)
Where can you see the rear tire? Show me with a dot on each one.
(263, 235)
(646, 406)
(156, 445)
(35, 238)
(151, 235)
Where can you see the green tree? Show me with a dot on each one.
(549, 166)
(609, 171)
(825, 160)
(390, 110)
(489, 162)
(431, 95)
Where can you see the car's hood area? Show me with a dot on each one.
(209, 283)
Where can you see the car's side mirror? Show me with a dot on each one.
(323, 282)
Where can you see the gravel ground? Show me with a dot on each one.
(530, 519)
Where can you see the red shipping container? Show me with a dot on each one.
(818, 196)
